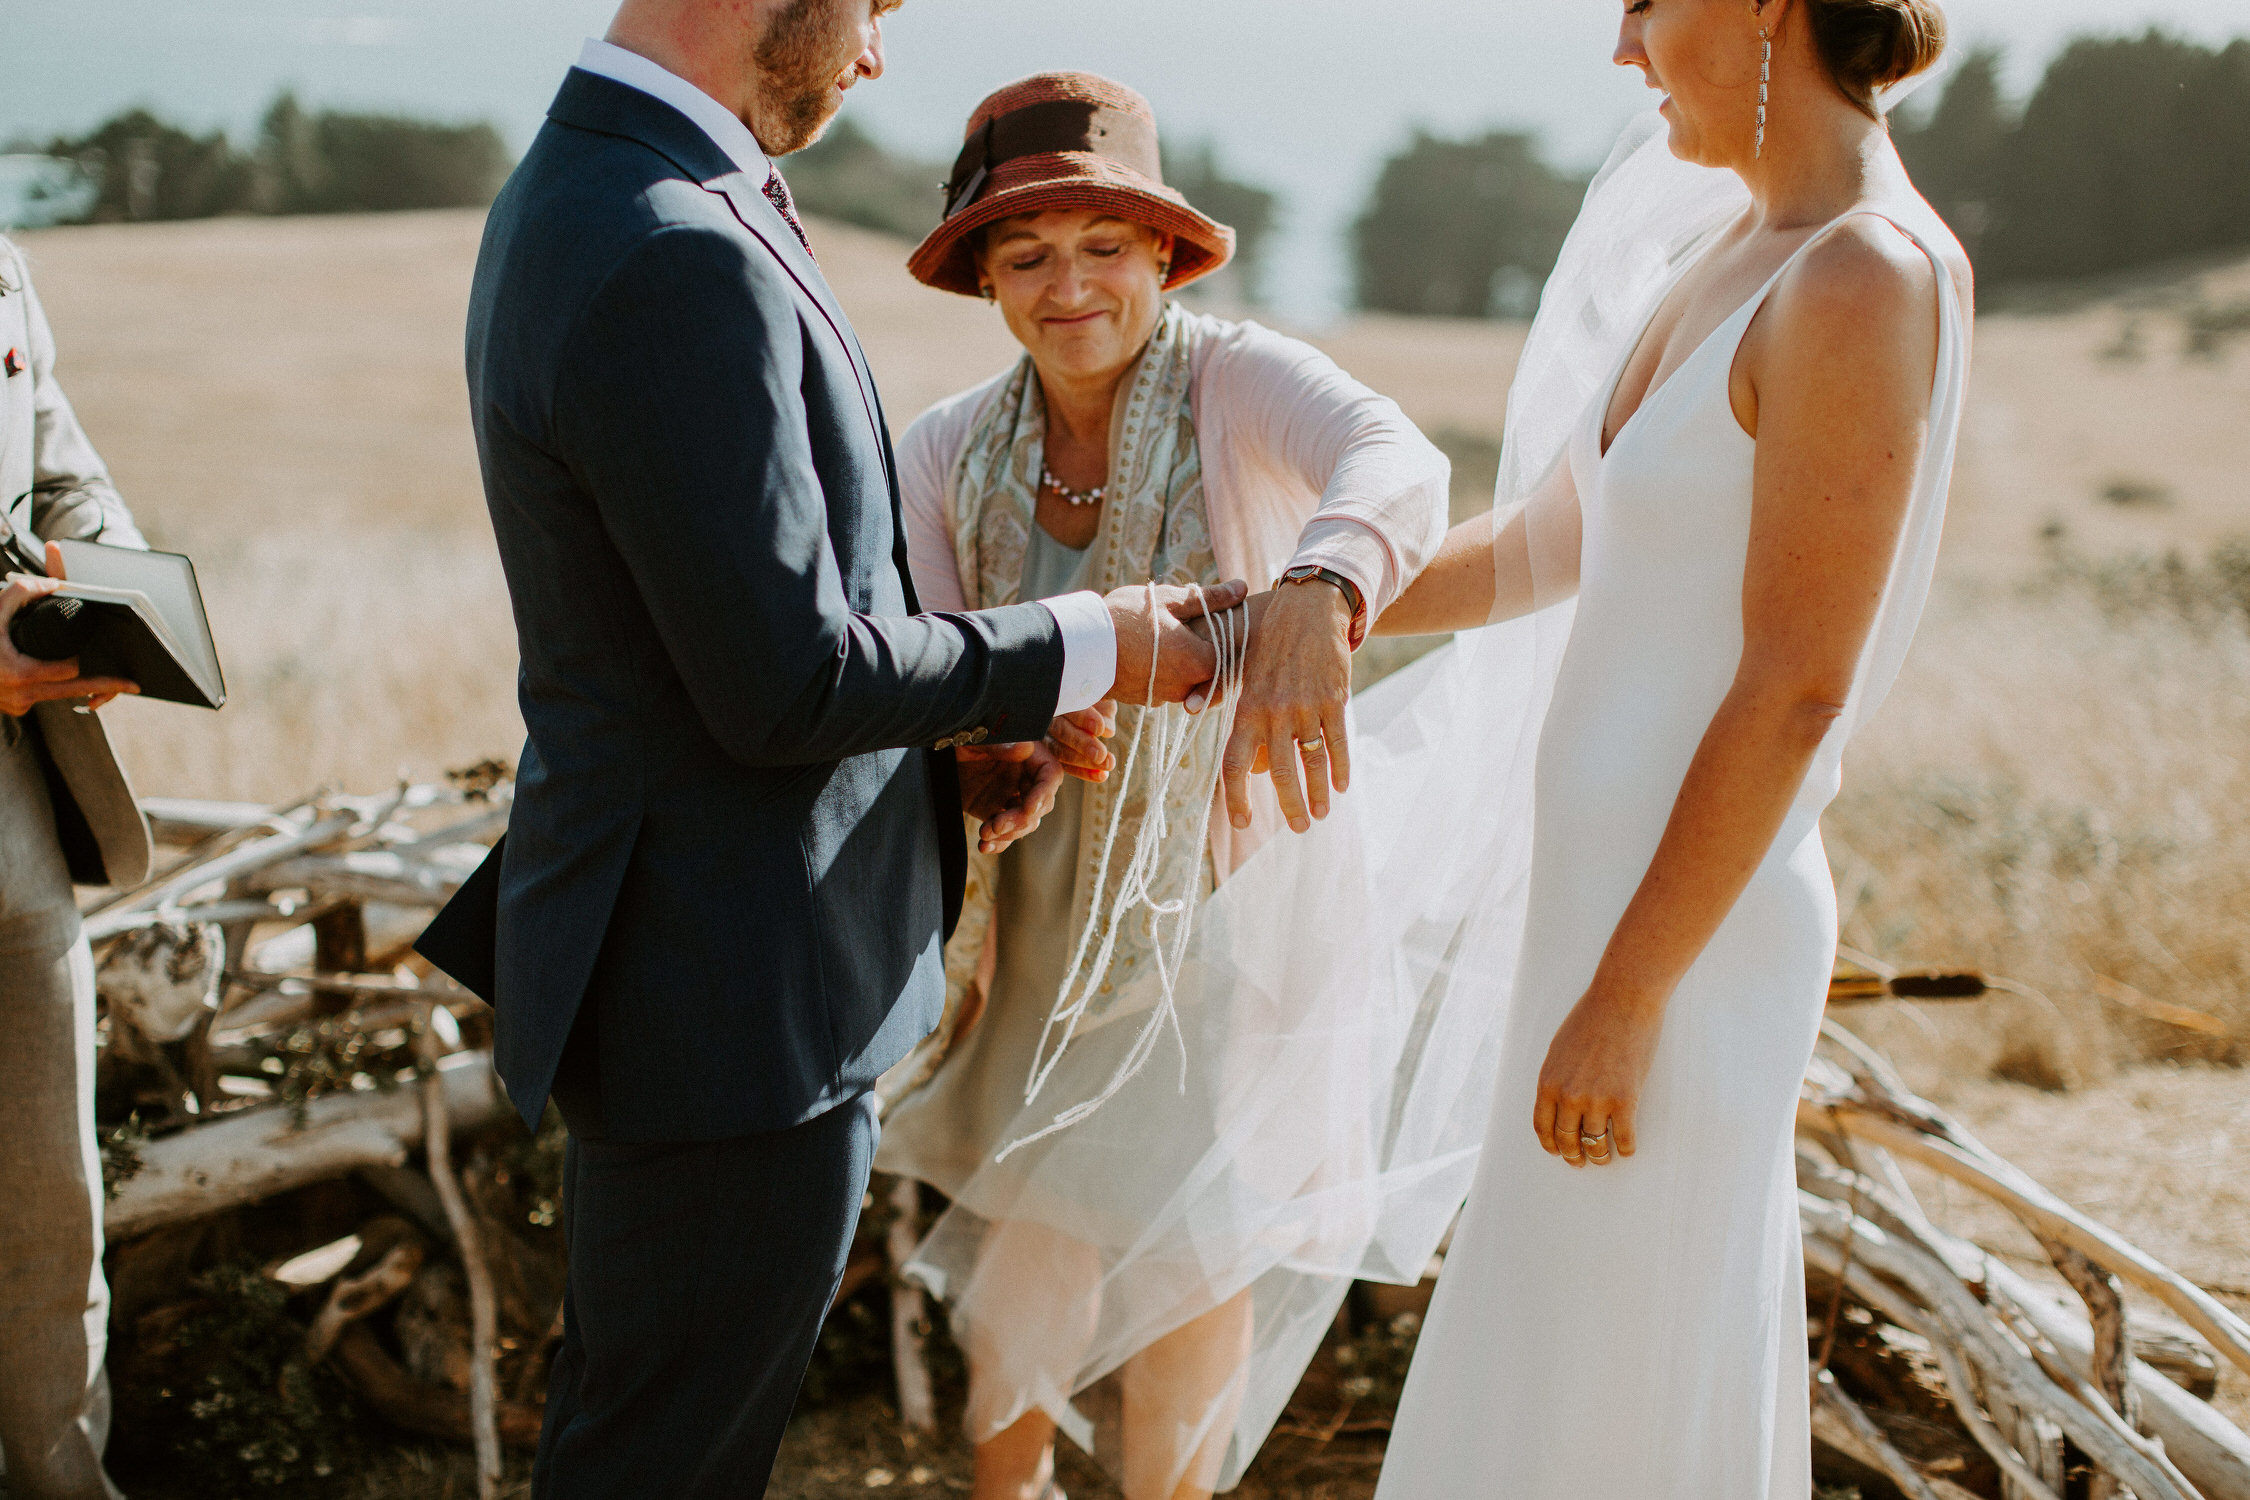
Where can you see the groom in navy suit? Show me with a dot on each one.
(737, 840)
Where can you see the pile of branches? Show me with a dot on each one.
(1948, 1371)
(315, 1184)
(303, 1131)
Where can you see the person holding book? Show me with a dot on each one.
(67, 816)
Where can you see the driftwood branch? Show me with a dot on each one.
(917, 1398)
(244, 1157)
(483, 1316)
(2112, 1354)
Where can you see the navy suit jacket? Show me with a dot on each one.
(731, 838)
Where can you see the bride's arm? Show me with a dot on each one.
(1476, 579)
(1842, 379)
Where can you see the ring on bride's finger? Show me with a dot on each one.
(1318, 742)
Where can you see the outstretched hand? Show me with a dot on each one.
(1007, 789)
(1296, 686)
(26, 681)
(1185, 663)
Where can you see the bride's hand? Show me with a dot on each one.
(1076, 741)
(1592, 1080)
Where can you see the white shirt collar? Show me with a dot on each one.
(726, 131)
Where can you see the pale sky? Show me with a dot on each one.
(1306, 96)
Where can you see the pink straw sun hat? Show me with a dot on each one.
(1063, 140)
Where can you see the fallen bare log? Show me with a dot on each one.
(241, 1158)
(363, 875)
(404, 1402)
(237, 863)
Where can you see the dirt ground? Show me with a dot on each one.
(284, 399)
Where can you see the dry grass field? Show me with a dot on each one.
(2059, 791)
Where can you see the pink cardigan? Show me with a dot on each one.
(1301, 464)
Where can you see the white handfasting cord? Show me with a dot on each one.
(1168, 734)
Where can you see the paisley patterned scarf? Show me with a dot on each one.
(1154, 525)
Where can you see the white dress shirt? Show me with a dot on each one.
(1089, 640)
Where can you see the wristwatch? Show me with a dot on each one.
(1307, 572)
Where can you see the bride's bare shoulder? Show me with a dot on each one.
(1866, 284)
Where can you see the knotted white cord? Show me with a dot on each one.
(1170, 742)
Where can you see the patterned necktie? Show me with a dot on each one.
(777, 193)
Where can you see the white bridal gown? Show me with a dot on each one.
(1637, 1331)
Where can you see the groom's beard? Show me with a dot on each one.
(798, 60)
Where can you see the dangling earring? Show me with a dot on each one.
(986, 293)
(1765, 80)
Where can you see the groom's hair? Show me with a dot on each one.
(1868, 45)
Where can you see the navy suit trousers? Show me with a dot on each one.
(700, 1274)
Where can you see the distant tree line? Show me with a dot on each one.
(2131, 152)
(335, 162)
(1463, 228)
(302, 162)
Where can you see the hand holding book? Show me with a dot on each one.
(31, 677)
(106, 620)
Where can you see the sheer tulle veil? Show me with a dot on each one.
(1341, 1010)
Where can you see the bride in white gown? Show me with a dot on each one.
(1735, 431)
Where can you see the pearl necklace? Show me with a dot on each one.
(1070, 496)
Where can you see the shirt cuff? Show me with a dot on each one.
(1358, 552)
(1089, 649)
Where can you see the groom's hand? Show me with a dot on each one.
(1184, 662)
(1007, 789)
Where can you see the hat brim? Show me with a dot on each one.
(1072, 180)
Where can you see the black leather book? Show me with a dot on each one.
(139, 615)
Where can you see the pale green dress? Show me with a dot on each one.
(943, 1132)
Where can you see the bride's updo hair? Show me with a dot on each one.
(1869, 45)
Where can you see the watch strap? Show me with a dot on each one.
(1353, 600)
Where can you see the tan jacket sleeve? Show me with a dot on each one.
(72, 496)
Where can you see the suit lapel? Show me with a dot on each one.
(762, 219)
(758, 215)
(589, 101)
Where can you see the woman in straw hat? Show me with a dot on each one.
(1150, 1279)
